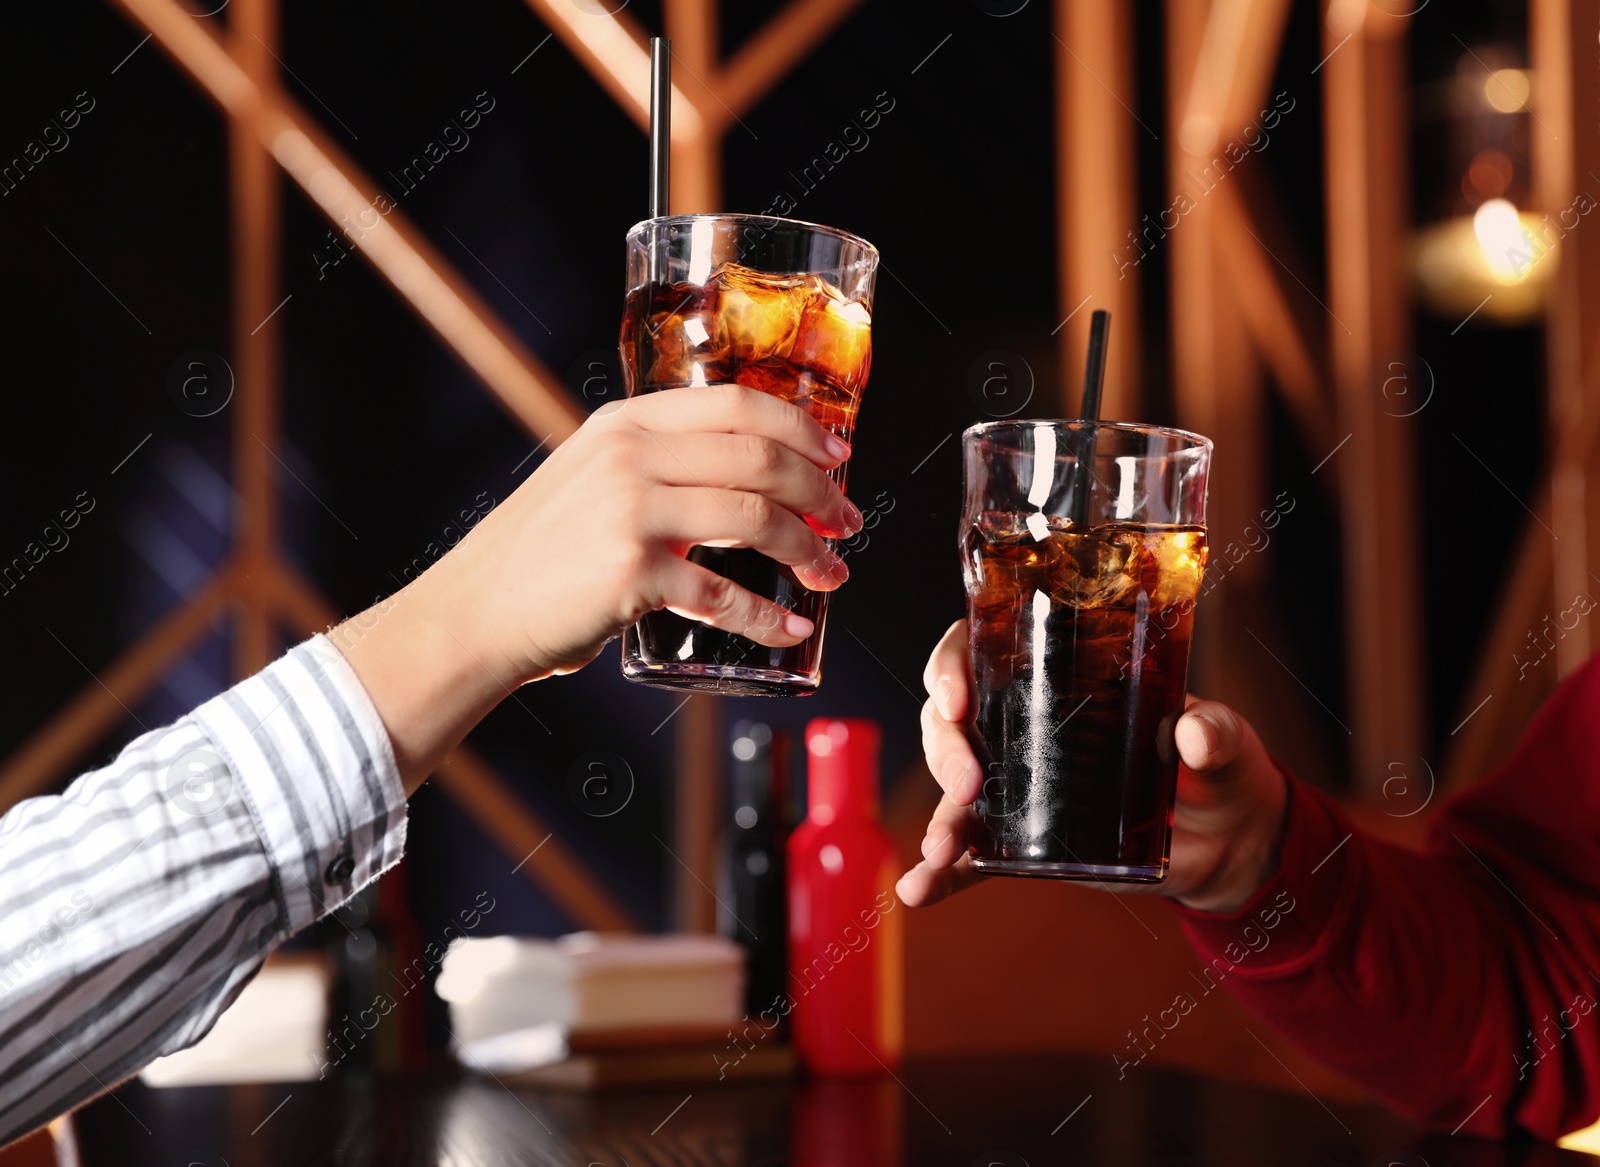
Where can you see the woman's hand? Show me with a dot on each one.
(595, 538)
(1226, 828)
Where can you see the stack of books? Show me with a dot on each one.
(592, 1011)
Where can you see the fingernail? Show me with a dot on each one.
(836, 567)
(927, 845)
(941, 696)
(1211, 729)
(852, 518)
(820, 575)
(796, 625)
(837, 447)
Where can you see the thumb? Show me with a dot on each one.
(1210, 736)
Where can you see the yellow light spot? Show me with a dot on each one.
(1500, 235)
(1507, 90)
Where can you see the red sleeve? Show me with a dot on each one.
(1459, 985)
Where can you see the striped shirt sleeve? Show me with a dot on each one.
(136, 905)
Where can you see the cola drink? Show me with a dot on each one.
(1080, 651)
(797, 335)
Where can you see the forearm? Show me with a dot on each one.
(1414, 975)
(134, 906)
(430, 670)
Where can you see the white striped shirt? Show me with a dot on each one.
(135, 906)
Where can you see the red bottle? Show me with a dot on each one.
(846, 948)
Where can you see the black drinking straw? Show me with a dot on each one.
(1094, 379)
(660, 123)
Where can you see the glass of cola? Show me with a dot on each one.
(772, 304)
(1083, 546)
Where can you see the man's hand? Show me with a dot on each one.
(1226, 830)
(595, 538)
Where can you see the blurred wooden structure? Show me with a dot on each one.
(1245, 321)
(1553, 563)
(1244, 317)
(709, 94)
(257, 587)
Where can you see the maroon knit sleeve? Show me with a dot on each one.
(1460, 985)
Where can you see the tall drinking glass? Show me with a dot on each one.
(1083, 545)
(772, 304)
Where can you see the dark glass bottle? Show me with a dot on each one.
(753, 909)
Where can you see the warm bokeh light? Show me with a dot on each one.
(1500, 234)
(1588, 1139)
(1495, 264)
(1507, 90)
(1490, 173)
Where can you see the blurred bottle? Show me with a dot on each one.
(375, 1024)
(358, 950)
(845, 941)
(752, 909)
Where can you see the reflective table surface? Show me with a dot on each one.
(975, 1112)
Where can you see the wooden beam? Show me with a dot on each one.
(691, 25)
(256, 234)
(1097, 197)
(615, 49)
(1566, 156)
(1256, 63)
(1553, 562)
(104, 701)
(533, 395)
(1238, 55)
(697, 810)
(1274, 327)
(1365, 139)
(697, 726)
(770, 54)
(1192, 250)
(480, 792)
(1215, 378)
(696, 171)
(1218, 390)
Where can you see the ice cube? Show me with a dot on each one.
(835, 337)
(682, 351)
(776, 378)
(1180, 559)
(1005, 565)
(1095, 569)
(757, 314)
(834, 409)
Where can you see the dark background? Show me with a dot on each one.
(117, 261)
